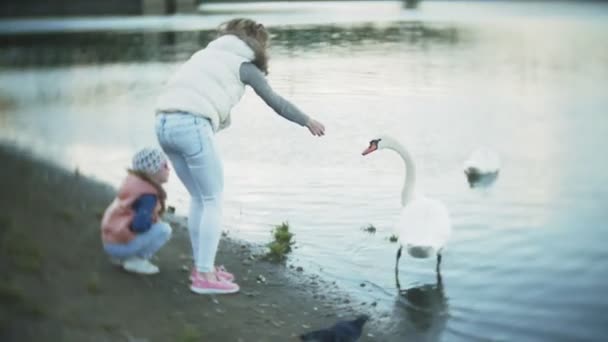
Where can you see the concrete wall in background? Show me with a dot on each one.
(62, 8)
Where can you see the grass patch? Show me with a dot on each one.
(13, 298)
(189, 333)
(66, 215)
(5, 225)
(93, 284)
(21, 250)
(108, 327)
(28, 262)
(4, 322)
(33, 309)
(281, 245)
(11, 295)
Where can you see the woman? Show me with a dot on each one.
(195, 105)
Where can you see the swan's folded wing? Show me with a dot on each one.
(424, 223)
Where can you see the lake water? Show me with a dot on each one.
(527, 259)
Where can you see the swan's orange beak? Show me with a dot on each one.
(370, 149)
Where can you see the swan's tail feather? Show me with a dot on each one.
(420, 251)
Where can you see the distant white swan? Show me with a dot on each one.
(424, 225)
(483, 162)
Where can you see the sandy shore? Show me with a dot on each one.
(57, 285)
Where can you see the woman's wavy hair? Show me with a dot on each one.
(253, 34)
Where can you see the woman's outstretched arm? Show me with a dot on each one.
(253, 77)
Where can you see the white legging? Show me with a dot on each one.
(188, 140)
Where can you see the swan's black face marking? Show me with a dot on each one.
(373, 145)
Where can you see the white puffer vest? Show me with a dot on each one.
(208, 84)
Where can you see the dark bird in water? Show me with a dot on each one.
(479, 180)
(343, 331)
(482, 167)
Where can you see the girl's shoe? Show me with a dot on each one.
(201, 285)
(220, 272)
(139, 266)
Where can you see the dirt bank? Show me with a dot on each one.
(56, 284)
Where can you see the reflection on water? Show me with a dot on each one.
(527, 257)
(420, 313)
(46, 50)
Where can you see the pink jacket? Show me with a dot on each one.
(116, 221)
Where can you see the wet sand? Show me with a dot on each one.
(56, 284)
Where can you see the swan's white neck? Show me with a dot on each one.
(410, 168)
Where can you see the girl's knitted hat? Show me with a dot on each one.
(149, 160)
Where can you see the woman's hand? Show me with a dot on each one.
(315, 127)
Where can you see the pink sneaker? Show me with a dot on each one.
(220, 272)
(201, 285)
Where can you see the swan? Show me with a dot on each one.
(424, 225)
(482, 163)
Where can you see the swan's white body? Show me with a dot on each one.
(482, 161)
(424, 225)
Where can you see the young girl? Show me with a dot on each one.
(195, 105)
(131, 229)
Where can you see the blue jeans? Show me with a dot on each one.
(144, 245)
(189, 142)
